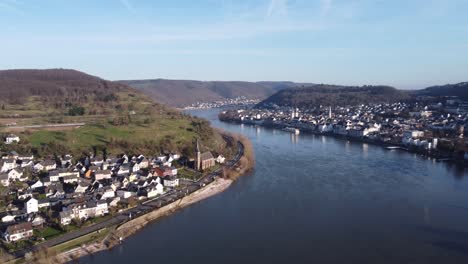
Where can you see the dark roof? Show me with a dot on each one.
(19, 228)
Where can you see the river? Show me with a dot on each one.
(315, 199)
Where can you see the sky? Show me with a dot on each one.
(404, 43)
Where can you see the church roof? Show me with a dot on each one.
(206, 156)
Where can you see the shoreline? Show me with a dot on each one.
(135, 225)
(437, 155)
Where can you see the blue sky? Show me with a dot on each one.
(407, 44)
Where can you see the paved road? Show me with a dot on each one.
(143, 208)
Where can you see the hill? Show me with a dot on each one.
(459, 89)
(117, 117)
(308, 97)
(180, 93)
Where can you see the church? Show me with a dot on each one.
(204, 160)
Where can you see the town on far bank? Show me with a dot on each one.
(434, 128)
(42, 199)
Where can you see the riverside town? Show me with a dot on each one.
(435, 129)
(46, 202)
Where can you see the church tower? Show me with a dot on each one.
(330, 113)
(198, 162)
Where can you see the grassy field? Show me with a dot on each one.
(93, 237)
(132, 124)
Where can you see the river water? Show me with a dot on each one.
(315, 199)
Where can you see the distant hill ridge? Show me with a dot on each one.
(181, 93)
(334, 95)
(17, 85)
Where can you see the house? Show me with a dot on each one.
(97, 161)
(31, 206)
(124, 194)
(102, 174)
(8, 219)
(54, 176)
(38, 221)
(55, 191)
(7, 165)
(15, 174)
(37, 185)
(107, 192)
(66, 217)
(46, 165)
(11, 138)
(66, 160)
(70, 179)
(153, 191)
(123, 169)
(144, 163)
(43, 203)
(49, 165)
(18, 232)
(171, 181)
(170, 171)
(220, 159)
(26, 163)
(82, 187)
(4, 180)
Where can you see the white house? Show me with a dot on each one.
(154, 191)
(12, 139)
(15, 174)
(31, 206)
(220, 159)
(171, 181)
(102, 174)
(107, 193)
(37, 185)
(7, 165)
(8, 219)
(17, 232)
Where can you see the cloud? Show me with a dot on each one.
(128, 5)
(277, 7)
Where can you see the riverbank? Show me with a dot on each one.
(438, 155)
(131, 227)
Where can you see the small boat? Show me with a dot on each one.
(393, 147)
(292, 130)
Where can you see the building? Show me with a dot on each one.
(171, 181)
(31, 206)
(204, 160)
(12, 139)
(18, 232)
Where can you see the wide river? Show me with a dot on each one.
(315, 199)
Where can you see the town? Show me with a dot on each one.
(435, 129)
(237, 101)
(44, 198)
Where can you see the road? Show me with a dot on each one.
(144, 207)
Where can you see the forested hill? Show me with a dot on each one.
(18, 85)
(179, 93)
(459, 89)
(308, 97)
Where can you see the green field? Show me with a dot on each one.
(133, 124)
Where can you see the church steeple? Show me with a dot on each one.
(198, 161)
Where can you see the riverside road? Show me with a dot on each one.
(143, 208)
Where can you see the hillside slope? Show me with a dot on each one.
(313, 96)
(459, 89)
(117, 117)
(179, 93)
